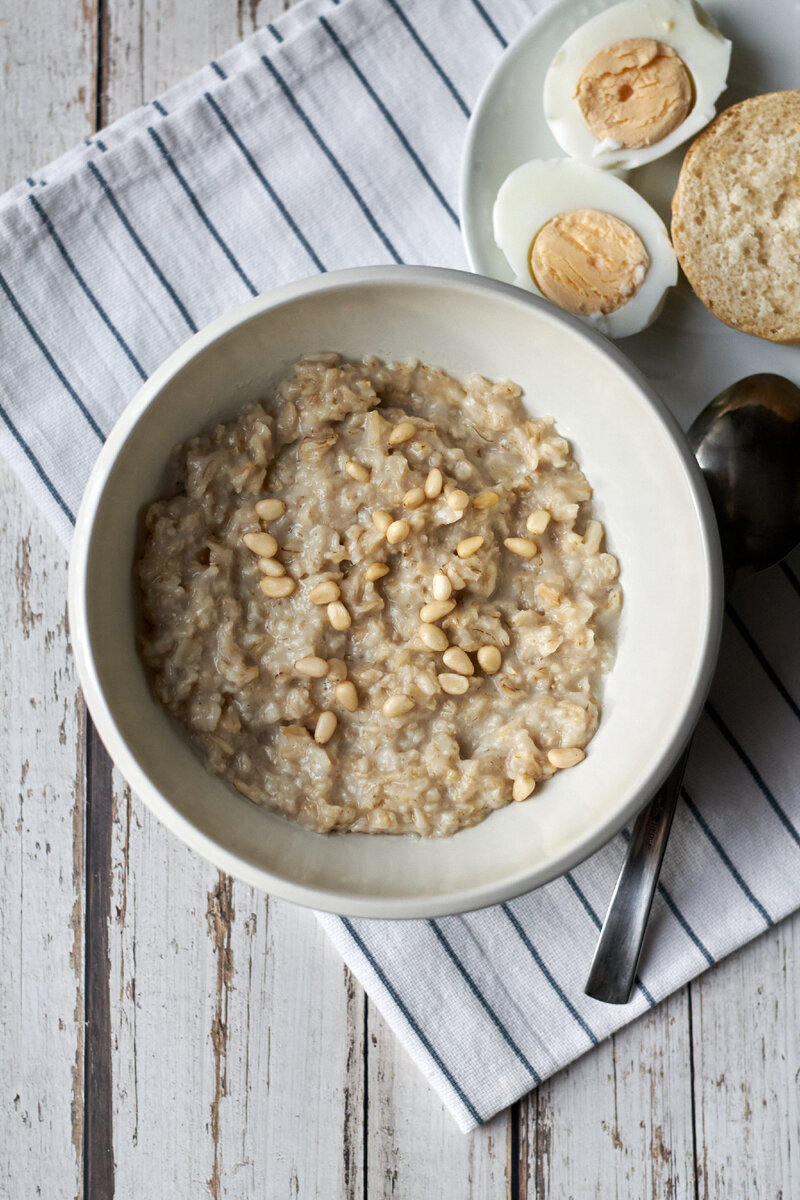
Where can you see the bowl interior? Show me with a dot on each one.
(647, 491)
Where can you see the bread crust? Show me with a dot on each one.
(734, 216)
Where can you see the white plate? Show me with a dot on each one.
(688, 355)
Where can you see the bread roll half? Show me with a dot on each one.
(736, 216)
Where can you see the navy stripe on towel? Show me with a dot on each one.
(273, 195)
(198, 208)
(790, 575)
(37, 466)
(484, 14)
(761, 659)
(140, 246)
(440, 71)
(87, 291)
(337, 166)
(559, 991)
(51, 361)
(418, 163)
(715, 842)
(487, 1008)
(459, 1091)
(751, 767)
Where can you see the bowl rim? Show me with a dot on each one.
(313, 895)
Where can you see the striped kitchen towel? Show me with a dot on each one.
(332, 138)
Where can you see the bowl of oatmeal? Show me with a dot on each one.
(395, 592)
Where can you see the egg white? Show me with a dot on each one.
(681, 24)
(539, 190)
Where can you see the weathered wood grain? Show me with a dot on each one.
(414, 1148)
(150, 46)
(746, 1032)
(48, 56)
(237, 1032)
(41, 865)
(618, 1122)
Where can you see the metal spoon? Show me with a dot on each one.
(747, 442)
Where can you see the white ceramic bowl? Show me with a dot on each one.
(648, 490)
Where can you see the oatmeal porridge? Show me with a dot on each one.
(379, 601)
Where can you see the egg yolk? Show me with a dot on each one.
(634, 93)
(587, 261)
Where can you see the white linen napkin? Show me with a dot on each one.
(332, 138)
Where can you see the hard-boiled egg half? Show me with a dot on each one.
(582, 238)
(635, 81)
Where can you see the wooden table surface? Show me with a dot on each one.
(166, 1031)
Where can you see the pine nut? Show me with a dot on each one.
(325, 727)
(565, 756)
(523, 786)
(524, 547)
(442, 587)
(538, 521)
(376, 571)
(414, 498)
(271, 566)
(433, 484)
(270, 510)
(357, 471)
(263, 544)
(325, 592)
(454, 685)
(457, 660)
(426, 684)
(276, 589)
(458, 500)
(397, 706)
(436, 610)
(397, 532)
(337, 670)
(311, 665)
(401, 433)
(433, 637)
(489, 659)
(381, 520)
(485, 500)
(456, 580)
(338, 615)
(469, 546)
(346, 695)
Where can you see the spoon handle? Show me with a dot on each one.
(616, 958)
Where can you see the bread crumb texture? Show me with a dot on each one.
(736, 216)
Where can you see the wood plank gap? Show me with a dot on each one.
(365, 1128)
(98, 1159)
(692, 1093)
(101, 74)
(515, 1117)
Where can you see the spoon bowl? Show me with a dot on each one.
(747, 442)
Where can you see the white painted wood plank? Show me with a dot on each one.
(237, 1033)
(41, 862)
(746, 1024)
(152, 45)
(618, 1122)
(47, 64)
(414, 1147)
